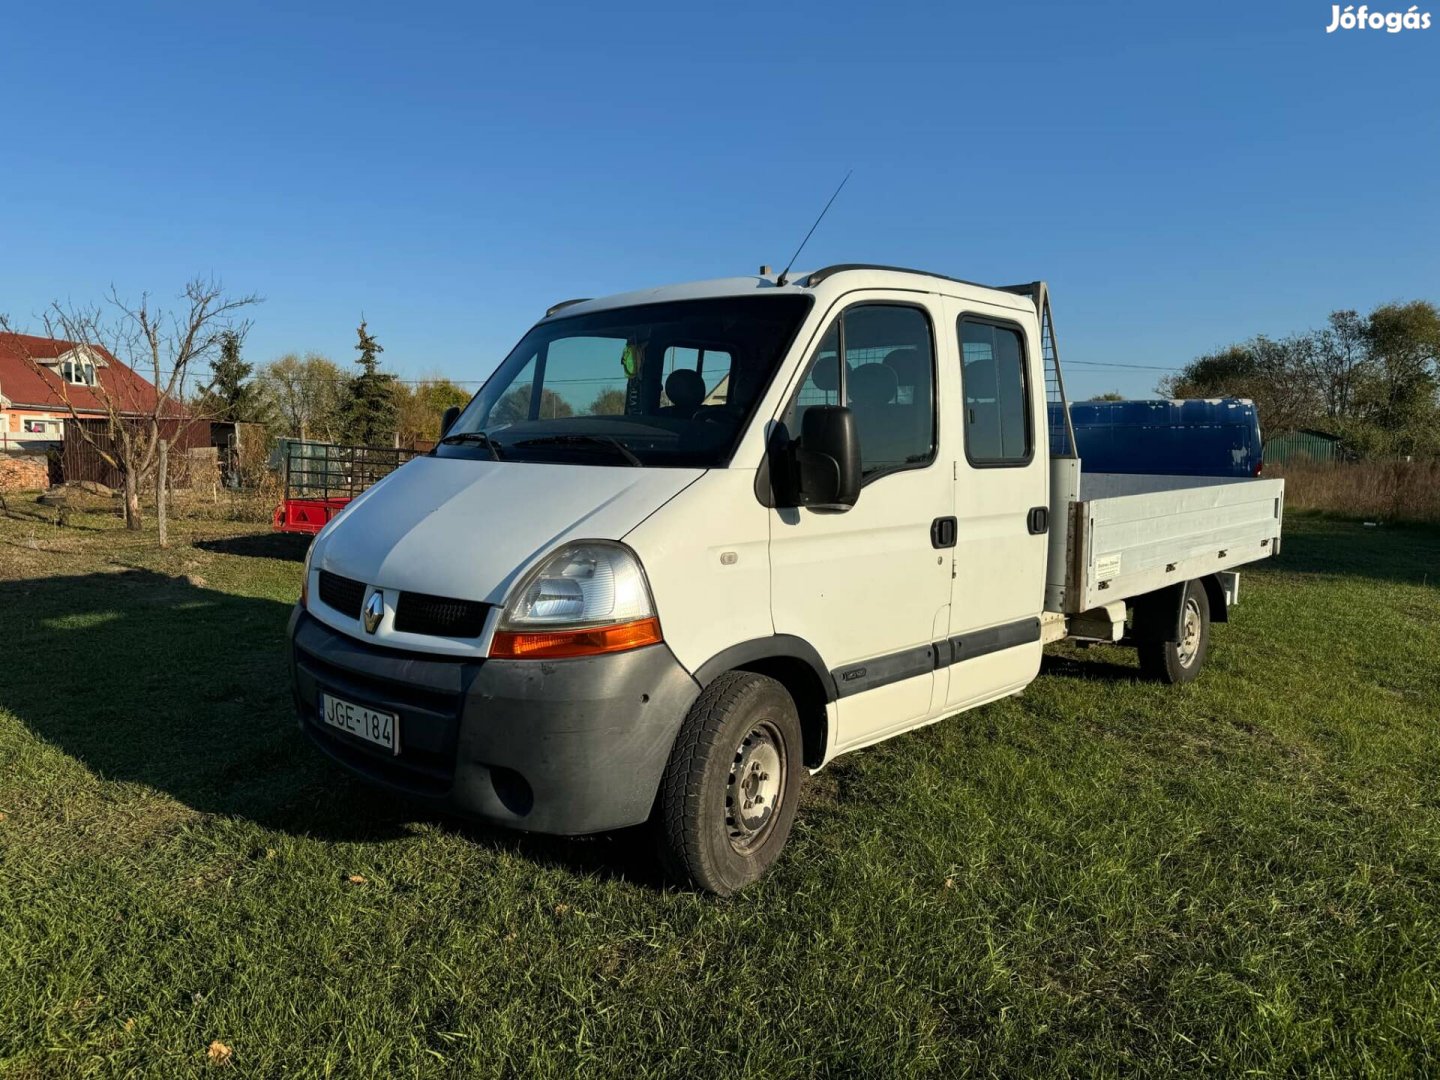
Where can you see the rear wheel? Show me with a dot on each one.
(1176, 655)
(727, 799)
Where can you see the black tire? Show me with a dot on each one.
(712, 836)
(1176, 659)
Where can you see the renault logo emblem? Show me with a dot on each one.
(374, 611)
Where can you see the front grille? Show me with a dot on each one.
(342, 594)
(426, 693)
(440, 616)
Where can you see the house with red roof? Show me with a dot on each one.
(38, 375)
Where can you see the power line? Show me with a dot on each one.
(441, 379)
(1126, 367)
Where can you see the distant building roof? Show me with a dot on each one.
(24, 386)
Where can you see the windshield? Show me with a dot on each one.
(669, 384)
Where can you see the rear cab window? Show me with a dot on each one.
(995, 380)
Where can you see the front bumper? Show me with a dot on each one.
(553, 746)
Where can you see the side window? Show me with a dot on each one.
(515, 406)
(821, 385)
(878, 359)
(997, 401)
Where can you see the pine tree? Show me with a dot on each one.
(231, 394)
(370, 418)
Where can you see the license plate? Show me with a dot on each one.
(380, 728)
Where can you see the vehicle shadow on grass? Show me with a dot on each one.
(286, 546)
(150, 679)
(1078, 664)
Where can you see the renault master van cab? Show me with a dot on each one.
(690, 544)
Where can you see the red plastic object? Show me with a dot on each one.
(307, 515)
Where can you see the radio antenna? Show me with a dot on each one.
(786, 272)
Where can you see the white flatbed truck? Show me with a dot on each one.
(690, 544)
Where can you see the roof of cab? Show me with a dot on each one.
(843, 278)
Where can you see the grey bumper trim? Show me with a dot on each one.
(556, 746)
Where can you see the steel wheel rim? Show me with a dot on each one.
(1189, 645)
(755, 787)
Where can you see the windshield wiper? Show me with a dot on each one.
(586, 440)
(479, 438)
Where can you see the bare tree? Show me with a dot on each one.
(161, 345)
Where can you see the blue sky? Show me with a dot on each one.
(1183, 174)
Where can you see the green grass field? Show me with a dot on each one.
(1102, 877)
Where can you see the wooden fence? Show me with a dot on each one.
(82, 457)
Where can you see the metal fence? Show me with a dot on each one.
(1297, 445)
(331, 471)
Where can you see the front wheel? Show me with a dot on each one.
(727, 799)
(1179, 660)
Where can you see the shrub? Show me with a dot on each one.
(1390, 490)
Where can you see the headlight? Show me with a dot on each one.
(587, 598)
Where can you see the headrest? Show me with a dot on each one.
(909, 366)
(979, 379)
(686, 388)
(826, 374)
(873, 384)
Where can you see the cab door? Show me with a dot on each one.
(1002, 481)
(868, 587)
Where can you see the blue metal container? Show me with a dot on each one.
(1214, 437)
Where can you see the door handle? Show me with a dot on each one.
(1038, 520)
(943, 531)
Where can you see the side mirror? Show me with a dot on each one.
(827, 459)
(447, 421)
